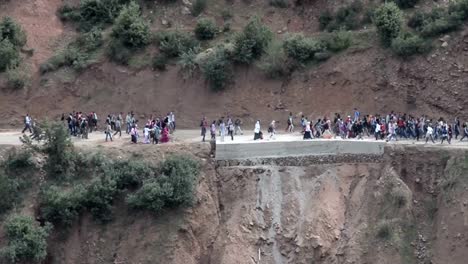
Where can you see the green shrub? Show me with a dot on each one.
(61, 155)
(61, 207)
(406, 3)
(9, 191)
(27, 242)
(182, 173)
(198, 7)
(174, 43)
(12, 31)
(118, 52)
(458, 8)
(217, 69)
(279, 3)
(384, 231)
(19, 161)
(16, 78)
(9, 56)
(252, 42)
(98, 12)
(206, 29)
(100, 195)
(388, 19)
(337, 40)
(417, 20)
(129, 173)
(442, 25)
(130, 27)
(160, 62)
(302, 49)
(152, 195)
(347, 17)
(91, 40)
(174, 188)
(69, 13)
(188, 63)
(325, 18)
(275, 62)
(409, 44)
(71, 56)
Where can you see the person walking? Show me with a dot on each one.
(156, 134)
(429, 133)
(377, 130)
(237, 127)
(230, 128)
(391, 131)
(222, 129)
(257, 130)
(203, 126)
(290, 127)
(307, 130)
(27, 124)
(134, 134)
(272, 129)
(108, 130)
(465, 131)
(146, 134)
(444, 132)
(213, 130)
(118, 127)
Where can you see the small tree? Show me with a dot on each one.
(174, 43)
(205, 29)
(12, 31)
(251, 43)
(302, 49)
(406, 3)
(27, 242)
(408, 44)
(9, 56)
(130, 27)
(388, 19)
(61, 207)
(216, 69)
(275, 62)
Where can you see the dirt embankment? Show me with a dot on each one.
(408, 206)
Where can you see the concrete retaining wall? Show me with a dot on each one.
(275, 149)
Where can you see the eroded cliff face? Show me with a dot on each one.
(408, 206)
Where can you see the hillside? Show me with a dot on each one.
(365, 75)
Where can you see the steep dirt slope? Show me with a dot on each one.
(406, 207)
(365, 76)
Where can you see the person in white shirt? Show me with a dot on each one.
(429, 133)
(27, 124)
(257, 130)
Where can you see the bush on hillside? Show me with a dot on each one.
(188, 63)
(118, 52)
(27, 242)
(174, 188)
(337, 41)
(129, 173)
(406, 3)
(198, 7)
(130, 27)
(100, 195)
(347, 17)
(69, 13)
(12, 31)
(61, 155)
(174, 43)
(97, 12)
(275, 62)
(91, 40)
(16, 78)
(252, 42)
(322, 55)
(417, 20)
(9, 191)
(302, 49)
(388, 19)
(9, 56)
(61, 207)
(444, 24)
(19, 161)
(217, 69)
(70, 56)
(409, 44)
(206, 29)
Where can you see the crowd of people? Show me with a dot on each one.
(389, 127)
(80, 124)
